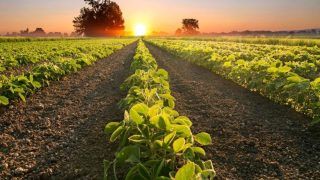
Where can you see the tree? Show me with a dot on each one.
(190, 26)
(178, 32)
(102, 18)
(24, 32)
(38, 32)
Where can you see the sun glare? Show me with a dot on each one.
(140, 30)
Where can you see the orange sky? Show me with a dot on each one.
(166, 15)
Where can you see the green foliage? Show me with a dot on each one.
(50, 61)
(187, 172)
(154, 140)
(203, 138)
(287, 40)
(4, 100)
(285, 74)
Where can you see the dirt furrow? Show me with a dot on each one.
(253, 137)
(58, 133)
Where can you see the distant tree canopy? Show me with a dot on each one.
(189, 27)
(102, 18)
(179, 31)
(39, 32)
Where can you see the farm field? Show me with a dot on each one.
(286, 74)
(58, 131)
(160, 90)
(278, 40)
(62, 122)
(27, 66)
(249, 131)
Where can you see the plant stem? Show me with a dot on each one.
(114, 170)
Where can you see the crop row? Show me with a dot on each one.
(288, 41)
(30, 39)
(13, 55)
(61, 58)
(285, 74)
(155, 142)
(304, 61)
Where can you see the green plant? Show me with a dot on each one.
(285, 74)
(49, 61)
(154, 140)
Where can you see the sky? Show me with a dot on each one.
(166, 15)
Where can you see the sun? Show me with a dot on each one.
(140, 30)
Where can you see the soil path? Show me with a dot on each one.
(252, 137)
(58, 133)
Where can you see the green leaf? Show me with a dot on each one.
(36, 84)
(203, 138)
(163, 73)
(161, 122)
(169, 99)
(186, 172)
(164, 122)
(208, 170)
(126, 116)
(106, 166)
(22, 97)
(155, 121)
(284, 69)
(132, 174)
(178, 145)
(141, 109)
(186, 146)
(199, 150)
(129, 154)
(197, 169)
(183, 120)
(162, 178)
(168, 138)
(137, 139)
(208, 173)
(135, 117)
(170, 111)
(116, 133)
(315, 120)
(208, 164)
(189, 154)
(160, 167)
(4, 100)
(18, 90)
(182, 130)
(23, 78)
(144, 172)
(2, 69)
(154, 110)
(272, 69)
(158, 143)
(295, 79)
(227, 64)
(110, 127)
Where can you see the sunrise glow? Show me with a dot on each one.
(140, 30)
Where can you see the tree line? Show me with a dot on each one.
(40, 32)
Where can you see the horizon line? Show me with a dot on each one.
(202, 32)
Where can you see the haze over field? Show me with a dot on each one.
(166, 15)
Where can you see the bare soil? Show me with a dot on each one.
(253, 138)
(58, 133)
